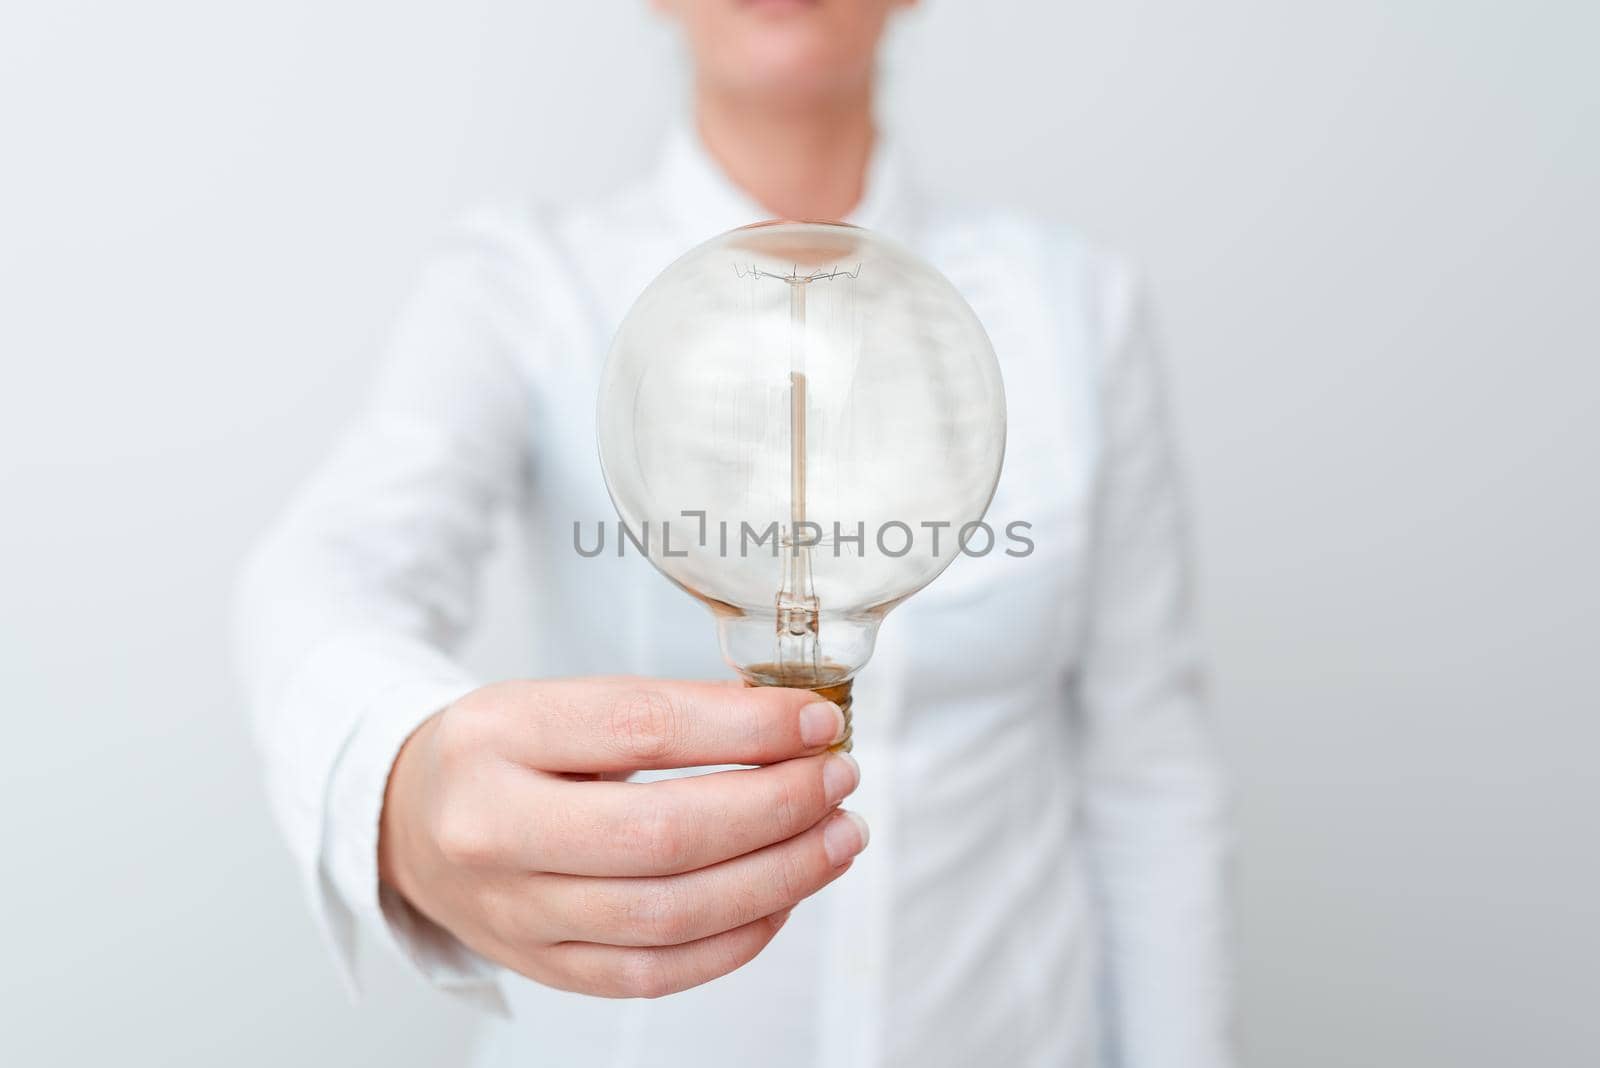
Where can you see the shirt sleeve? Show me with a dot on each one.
(1154, 803)
(348, 608)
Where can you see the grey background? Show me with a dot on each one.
(1372, 227)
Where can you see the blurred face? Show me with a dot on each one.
(783, 49)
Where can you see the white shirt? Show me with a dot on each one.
(1044, 884)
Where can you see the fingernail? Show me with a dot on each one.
(821, 723)
(844, 837)
(840, 774)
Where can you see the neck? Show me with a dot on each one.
(798, 161)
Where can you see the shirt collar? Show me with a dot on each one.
(705, 202)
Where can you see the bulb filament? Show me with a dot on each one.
(798, 652)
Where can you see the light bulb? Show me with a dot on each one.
(799, 421)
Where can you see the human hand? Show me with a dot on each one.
(505, 822)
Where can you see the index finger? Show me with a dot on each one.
(597, 725)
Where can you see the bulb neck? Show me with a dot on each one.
(753, 645)
(837, 692)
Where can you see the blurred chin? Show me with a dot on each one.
(789, 60)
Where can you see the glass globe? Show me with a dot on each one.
(798, 423)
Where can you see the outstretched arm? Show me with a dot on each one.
(477, 824)
(349, 606)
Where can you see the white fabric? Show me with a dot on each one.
(1045, 880)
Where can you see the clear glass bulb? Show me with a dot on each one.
(797, 420)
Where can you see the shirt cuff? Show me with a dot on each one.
(351, 898)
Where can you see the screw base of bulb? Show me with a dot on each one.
(825, 682)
